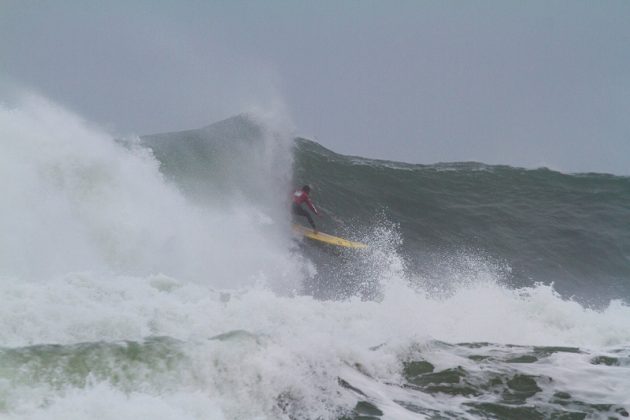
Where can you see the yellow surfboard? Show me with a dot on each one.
(326, 238)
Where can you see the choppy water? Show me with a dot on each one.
(159, 278)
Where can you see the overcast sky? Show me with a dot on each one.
(524, 83)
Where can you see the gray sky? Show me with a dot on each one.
(527, 83)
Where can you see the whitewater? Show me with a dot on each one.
(158, 277)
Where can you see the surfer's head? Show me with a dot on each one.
(306, 188)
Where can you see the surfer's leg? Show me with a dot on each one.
(310, 220)
(295, 209)
(301, 212)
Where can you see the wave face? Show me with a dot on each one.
(157, 277)
(535, 226)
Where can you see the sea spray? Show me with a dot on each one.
(76, 200)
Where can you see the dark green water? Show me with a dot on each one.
(533, 225)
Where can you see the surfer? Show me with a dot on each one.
(300, 197)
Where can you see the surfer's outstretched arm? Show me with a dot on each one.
(310, 205)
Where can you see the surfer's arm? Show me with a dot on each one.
(310, 205)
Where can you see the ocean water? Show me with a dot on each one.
(158, 277)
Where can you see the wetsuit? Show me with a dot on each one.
(300, 197)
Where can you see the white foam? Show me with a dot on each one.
(76, 200)
(103, 402)
(299, 345)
